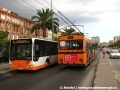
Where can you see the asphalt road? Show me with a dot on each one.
(54, 78)
(115, 64)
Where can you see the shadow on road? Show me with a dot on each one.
(73, 67)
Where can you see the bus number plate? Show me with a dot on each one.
(20, 68)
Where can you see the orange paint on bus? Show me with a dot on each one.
(81, 56)
(24, 65)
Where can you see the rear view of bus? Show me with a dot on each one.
(32, 54)
(75, 50)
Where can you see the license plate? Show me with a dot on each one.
(20, 68)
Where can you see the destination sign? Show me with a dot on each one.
(21, 41)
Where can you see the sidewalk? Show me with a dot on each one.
(105, 77)
(4, 66)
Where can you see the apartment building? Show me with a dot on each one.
(104, 44)
(19, 26)
(111, 41)
(96, 39)
(16, 25)
(116, 38)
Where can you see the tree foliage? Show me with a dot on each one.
(116, 44)
(96, 45)
(4, 44)
(68, 31)
(44, 20)
(3, 36)
(55, 39)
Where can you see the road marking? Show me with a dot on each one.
(112, 70)
(116, 77)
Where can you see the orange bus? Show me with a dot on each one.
(75, 50)
(32, 53)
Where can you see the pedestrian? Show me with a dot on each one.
(103, 51)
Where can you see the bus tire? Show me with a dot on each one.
(47, 63)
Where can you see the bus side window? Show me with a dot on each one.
(47, 50)
(86, 46)
(41, 50)
(54, 50)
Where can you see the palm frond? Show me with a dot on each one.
(36, 27)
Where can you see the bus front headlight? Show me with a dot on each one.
(31, 65)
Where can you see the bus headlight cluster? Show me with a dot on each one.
(31, 65)
(61, 60)
(10, 65)
(81, 60)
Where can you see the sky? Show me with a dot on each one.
(99, 17)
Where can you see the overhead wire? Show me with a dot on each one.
(9, 2)
(54, 12)
(15, 6)
(42, 4)
(24, 6)
(69, 21)
(52, 5)
(29, 4)
(62, 19)
(65, 17)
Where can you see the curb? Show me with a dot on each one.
(94, 81)
(4, 69)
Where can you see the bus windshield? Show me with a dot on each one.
(21, 52)
(71, 44)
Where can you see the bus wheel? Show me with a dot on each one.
(47, 63)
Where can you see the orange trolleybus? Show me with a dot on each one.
(75, 50)
(32, 54)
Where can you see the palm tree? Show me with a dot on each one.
(44, 21)
(78, 33)
(68, 31)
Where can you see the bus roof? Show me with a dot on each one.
(44, 39)
(89, 40)
(64, 37)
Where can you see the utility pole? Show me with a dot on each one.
(52, 24)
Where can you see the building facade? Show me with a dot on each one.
(116, 38)
(19, 26)
(105, 44)
(16, 25)
(111, 41)
(96, 39)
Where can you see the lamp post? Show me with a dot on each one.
(52, 23)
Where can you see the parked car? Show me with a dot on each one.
(114, 53)
(108, 51)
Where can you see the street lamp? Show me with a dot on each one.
(52, 24)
